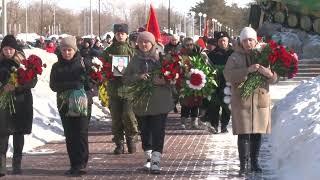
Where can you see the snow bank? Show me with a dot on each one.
(31, 37)
(46, 120)
(296, 133)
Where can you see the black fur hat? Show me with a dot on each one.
(120, 28)
(9, 40)
(212, 41)
(221, 35)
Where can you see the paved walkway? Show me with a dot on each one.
(188, 154)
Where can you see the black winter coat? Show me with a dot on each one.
(219, 57)
(67, 75)
(170, 48)
(19, 122)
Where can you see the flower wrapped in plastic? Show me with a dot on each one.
(199, 78)
(279, 59)
(103, 75)
(169, 70)
(96, 73)
(28, 69)
(7, 98)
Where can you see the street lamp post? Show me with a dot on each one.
(91, 25)
(214, 21)
(26, 16)
(192, 16)
(200, 15)
(169, 25)
(54, 20)
(184, 23)
(204, 22)
(99, 20)
(41, 18)
(4, 17)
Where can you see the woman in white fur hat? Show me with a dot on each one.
(251, 117)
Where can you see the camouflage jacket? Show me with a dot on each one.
(117, 48)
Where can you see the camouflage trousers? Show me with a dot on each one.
(124, 122)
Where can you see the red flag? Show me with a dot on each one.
(153, 25)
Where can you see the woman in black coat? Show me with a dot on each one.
(19, 121)
(68, 76)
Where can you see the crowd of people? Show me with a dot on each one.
(70, 80)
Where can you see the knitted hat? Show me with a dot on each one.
(248, 32)
(9, 40)
(69, 42)
(120, 28)
(147, 36)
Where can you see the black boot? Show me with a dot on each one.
(3, 168)
(224, 129)
(16, 164)
(254, 152)
(18, 143)
(243, 149)
(131, 145)
(119, 148)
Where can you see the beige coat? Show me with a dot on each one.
(252, 115)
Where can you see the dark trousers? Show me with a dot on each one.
(76, 133)
(89, 112)
(251, 138)
(214, 116)
(189, 111)
(249, 146)
(152, 131)
(18, 143)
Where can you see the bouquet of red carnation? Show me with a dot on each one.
(96, 73)
(171, 69)
(106, 70)
(282, 61)
(29, 68)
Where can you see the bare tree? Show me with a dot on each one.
(76, 23)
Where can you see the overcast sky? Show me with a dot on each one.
(178, 5)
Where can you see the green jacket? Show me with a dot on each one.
(161, 100)
(117, 48)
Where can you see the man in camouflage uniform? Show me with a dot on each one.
(124, 122)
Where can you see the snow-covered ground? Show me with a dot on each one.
(46, 123)
(296, 133)
(295, 138)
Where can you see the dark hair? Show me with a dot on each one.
(187, 39)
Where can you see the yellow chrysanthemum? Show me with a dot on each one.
(103, 95)
(13, 79)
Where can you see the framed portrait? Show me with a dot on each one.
(119, 64)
